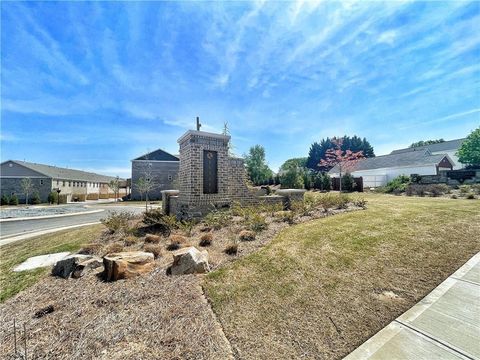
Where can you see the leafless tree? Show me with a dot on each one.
(146, 182)
(27, 187)
(115, 186)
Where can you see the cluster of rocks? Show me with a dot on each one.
(122, 265)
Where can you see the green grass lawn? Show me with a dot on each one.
(15, 253)
(321, 288)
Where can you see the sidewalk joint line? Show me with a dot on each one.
(411, 327)
(467, 281)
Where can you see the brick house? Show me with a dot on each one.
(161, 166)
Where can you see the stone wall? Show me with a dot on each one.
(444, 178)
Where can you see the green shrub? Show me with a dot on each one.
(287, 216)
(303, 208)
(5, 200)
(13, 200)
(35, 199)
(117, 222)
(398, 185)
(292, 178)
(155, 218)
(255, 221)
(186, 226)
(218, 219)
(415, 178)
(53, 197)
(332, 201)
(348, 183)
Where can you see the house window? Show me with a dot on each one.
(63, 182)
(58, 182)
(69, 183)
(41, 182)
(170, 177)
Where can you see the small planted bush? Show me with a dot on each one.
(155, 249)
(231, 249)
(117, 222)
(35, 200)
(255, 221)
(152, 239)
(176, 242)
(206, 239)
(360, 202)
(464, 189)
(397, 185)
(156, 219)
(285, 216)
(53, 197)
(13, 200)
(348, 183)
(246, 235)
(113, 248)
(186, 226)
(217, 219)
(5, 200)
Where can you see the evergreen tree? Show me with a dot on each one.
(469, 152)
(257, 167)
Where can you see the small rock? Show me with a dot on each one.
(189, 261)
(87, 266)
(125, 265)
(64, 268)
(44, 311)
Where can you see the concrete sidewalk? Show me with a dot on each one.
(443, 325)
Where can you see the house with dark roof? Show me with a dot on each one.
(447, 147)
(46, 178)
(157, 166)
(377, 171)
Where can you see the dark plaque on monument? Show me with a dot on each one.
(210, 172)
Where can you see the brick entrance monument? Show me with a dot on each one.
(209, 178)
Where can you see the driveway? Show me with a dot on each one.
(16, 228)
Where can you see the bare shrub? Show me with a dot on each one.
(91, 249)
(231, 249)
(176, 242)
(206, 239)
(113, 248)
(246, 235)
(152, 239)
(118, 222)
(130, 240)
(156, 219)
(155, 249)
(360, 202)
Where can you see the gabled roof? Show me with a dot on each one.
(63, 173)
(158, 155)
(443, 146)
(412, 158)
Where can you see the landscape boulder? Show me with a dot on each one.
(40, 261)
(124, 265)
(65, 267)
(87, 266)
(189, 261)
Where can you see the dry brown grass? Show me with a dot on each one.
(323, 287)
(206, 239)
(113, 248)
(153, 239)
(155, 249)
(247, 235)
(150, 317)
(231, 249)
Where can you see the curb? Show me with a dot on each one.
(50, 216)
(17, 237)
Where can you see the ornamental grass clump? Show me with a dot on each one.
(155, 249)
(247, 235)
(206, 239)
(218, 219)
(231, 249)
(152, 239)
(176, 241)
(118, 222)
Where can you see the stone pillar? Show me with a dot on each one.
(203, 173)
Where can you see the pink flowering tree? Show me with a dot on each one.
(344, 159)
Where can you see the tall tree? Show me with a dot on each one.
(318, 151)
(469, 152)
(27, 186)
(426, 142)
(298, 162)
(344, 159)
(257, 167)
(115, 186)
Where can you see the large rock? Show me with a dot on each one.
(36, 262)
(65, 267)
(125, 265)
(88, 266)
(189, 261)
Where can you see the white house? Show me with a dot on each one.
(447, 147)
(377, 171)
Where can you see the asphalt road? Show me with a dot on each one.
(20, 227)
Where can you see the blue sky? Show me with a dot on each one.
(91, 85)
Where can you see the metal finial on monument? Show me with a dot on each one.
(198, 124)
